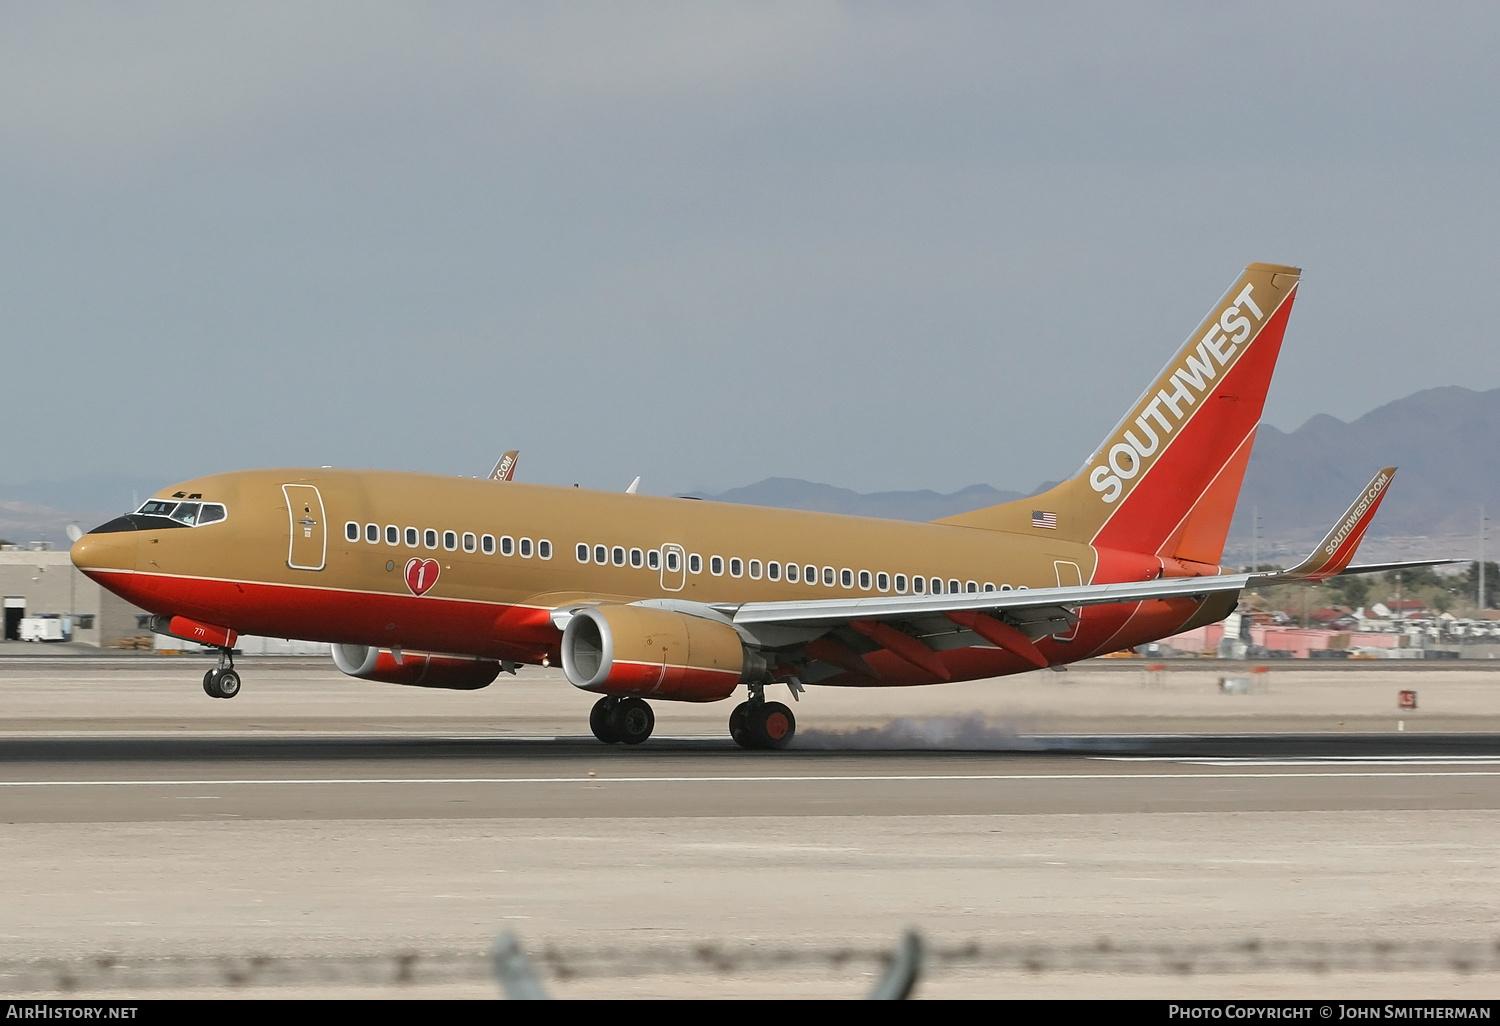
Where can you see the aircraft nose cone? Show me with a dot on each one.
(103, 552)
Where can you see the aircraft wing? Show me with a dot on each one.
(914, 627)
(1013, 620)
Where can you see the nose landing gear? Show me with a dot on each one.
(761, 724)
(222, 682)
(622, 720)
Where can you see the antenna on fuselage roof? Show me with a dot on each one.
(634, 485)
(505, 468)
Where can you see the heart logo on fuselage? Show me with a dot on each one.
(421, 575)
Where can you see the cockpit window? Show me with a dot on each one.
(186, 513)
(189, 514)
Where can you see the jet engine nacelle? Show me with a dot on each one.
(417, 669)
(651, 652)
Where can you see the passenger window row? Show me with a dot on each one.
(450, 540)
(792, 573)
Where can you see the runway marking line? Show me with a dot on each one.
(1310, 760)
(741, 780)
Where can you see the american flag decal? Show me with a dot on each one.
(1041, 518)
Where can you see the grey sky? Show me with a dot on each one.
(876, 245)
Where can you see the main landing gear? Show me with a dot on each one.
(222, 682)
(761, 724)
(626, 721)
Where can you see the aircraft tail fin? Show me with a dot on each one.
(1166, 479)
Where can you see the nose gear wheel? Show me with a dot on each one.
(222, 682)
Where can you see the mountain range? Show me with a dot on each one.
(1445, 442)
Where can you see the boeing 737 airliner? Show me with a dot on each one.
(446, 582)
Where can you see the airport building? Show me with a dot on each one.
(47, 599)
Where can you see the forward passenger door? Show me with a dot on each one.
(309, 534)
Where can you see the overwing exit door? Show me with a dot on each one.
(309, 534)
(673, 567)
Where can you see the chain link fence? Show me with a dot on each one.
(109, 973)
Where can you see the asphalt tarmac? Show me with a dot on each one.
(314, 821)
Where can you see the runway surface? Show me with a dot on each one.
(322, 822)
(576, 778)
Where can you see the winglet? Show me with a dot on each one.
(1336, 551)
(505, 469)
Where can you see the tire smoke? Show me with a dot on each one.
(972, 733)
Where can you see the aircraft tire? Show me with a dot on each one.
(599, 720)
(227, 683)
(739, 726)
(773, 726)
(631, 721)
(209, 687)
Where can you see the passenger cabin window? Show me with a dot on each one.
(487, 544)
(864, 580)
(392, 535)
(507, 545)
(773, 570)
(450, 540)
(582, 552)
(470, 542)
(716, 565)
(524, 546)
(372, 533)
(411, 537)
(917, 585)
(351, 531)
(883, 581)
(544, 549)
(791, 573)
(601, 555)
(755, 569)
(736, 568)
(937, 585)
(653, 560)
(695, 563)
(971, 588)
(900, 584)
(953, 588)
(637, 558)
(828, 576)
(846, 577)
(617, 555)
(429, 538)
(810, 574)
(988, 586)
